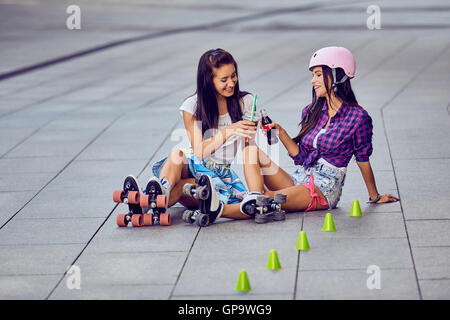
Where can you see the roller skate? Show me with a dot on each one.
(210, 207)
(263, 208)
(154, 202)
(131, 196)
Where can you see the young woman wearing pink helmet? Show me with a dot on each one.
(334, 128)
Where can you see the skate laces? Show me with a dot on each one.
(166, 184)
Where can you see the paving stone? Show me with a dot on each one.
(435, 289)
(27, 287)
(19, 260)
(49, 231)
(88, 291)
(424, 233)
(395, 284)
(432, 262)
(119, 106)
(349, 253)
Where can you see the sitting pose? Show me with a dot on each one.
(333, 129)
(213, 121)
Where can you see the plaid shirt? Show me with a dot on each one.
(349, 133)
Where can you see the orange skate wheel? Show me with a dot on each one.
(121, 220)
(161, 201)
(117, 196)
(144, 201)
(148, 219)
(164, 219)
(136, 220)
(133, 197)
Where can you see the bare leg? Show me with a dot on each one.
(297, 198)
(176, 195)
(261, 171)
(263, 175)
(175, 167)
(176, 171)
(233, 211)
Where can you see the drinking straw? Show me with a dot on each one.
(254, 106)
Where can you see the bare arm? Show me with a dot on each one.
(369, 179)
(204, 147)
(287, 141)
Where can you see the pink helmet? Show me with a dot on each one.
(334, 57)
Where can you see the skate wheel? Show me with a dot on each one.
(121, 220)
(133, 197)
(117, 196)
(279, 215)
(136, 220)
(188, 189)
(161, 201)
(144, 201)
(202, 220)
(148, 220)
(164, 219)
(280, 198)
(202, 193)
(187, 216)
(263, 201)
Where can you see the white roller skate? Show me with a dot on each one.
(263, 208)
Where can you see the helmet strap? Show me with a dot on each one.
(335, 83)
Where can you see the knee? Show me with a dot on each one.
(177, 157)
(269, 193)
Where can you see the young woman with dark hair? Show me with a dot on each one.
(333, 129)
(213, 120)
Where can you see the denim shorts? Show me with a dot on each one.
(329, 180)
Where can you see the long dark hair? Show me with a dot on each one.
(207, 109)
(343, 91)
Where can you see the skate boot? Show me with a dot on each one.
(248, 204)
(131, 196)
(154, 202)
(269, 209)
(210, 207)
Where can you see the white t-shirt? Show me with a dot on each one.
(227, 151)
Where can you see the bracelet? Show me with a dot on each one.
(374, 200)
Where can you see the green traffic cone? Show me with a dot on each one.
(274, 262)
(302, 243)
(243, 284)
(356, 209)
(328, 224)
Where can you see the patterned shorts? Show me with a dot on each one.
(228, 185)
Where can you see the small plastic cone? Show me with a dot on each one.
(274, 262)
(302, 243)
(328, 224)
(243, 284)
(356, 209)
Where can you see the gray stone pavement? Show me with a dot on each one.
(72, 131)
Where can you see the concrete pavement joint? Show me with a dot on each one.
(184, 264)
(421, 70)
(113, 44)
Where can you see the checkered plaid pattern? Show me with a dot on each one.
(349, 133)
